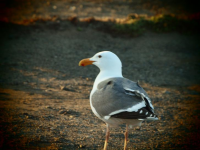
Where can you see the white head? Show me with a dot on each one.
(105, 61)
(109, 64)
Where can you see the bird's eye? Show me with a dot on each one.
(99, 56)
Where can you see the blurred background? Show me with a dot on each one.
(18, 11)
(44, 94)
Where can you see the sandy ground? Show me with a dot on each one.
(44, 94)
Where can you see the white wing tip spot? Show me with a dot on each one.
(106, 117)
(152, 118)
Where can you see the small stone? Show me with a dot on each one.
(63, 112)
(167, 92)
(54, 7)
(67, 89)
(160, 130)
(49, 107)
(62, 87)
(72, 8)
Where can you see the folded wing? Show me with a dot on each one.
(122, 98)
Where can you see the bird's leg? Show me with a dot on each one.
(107, 136)
(126, 137)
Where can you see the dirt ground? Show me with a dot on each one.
(44, 94)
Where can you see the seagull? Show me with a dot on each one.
(117, 100)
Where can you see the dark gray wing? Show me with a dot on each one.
(120, 96)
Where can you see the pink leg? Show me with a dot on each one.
(107, 136)
(126, 137)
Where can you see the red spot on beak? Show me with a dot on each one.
(82, 65)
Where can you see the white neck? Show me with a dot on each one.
(106, 74)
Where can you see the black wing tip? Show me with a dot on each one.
(142, 113)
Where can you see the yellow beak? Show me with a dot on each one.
(85, 62)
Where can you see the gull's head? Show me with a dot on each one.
(105, 60)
